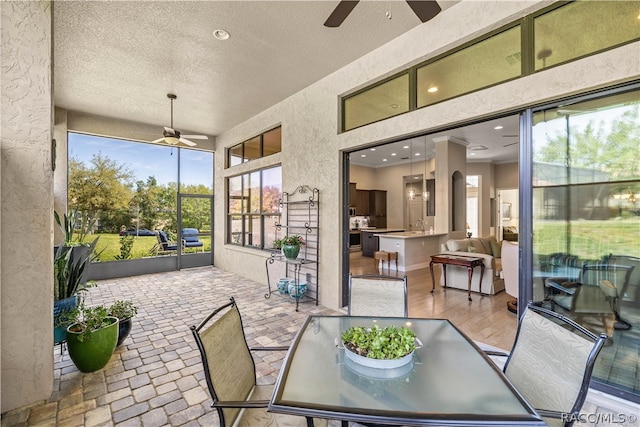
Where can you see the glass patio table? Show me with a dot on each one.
(449, 380)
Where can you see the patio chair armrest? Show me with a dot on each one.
(496, 353)
(549, 413)
(557, 280)
(277, 348)
(241, 403)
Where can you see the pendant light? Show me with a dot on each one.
(412, 193)
(425, 193)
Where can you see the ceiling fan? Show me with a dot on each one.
(172, 136)
(424, 10)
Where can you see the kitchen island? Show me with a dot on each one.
(370, 243)
(414, 247)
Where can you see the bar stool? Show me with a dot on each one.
(386, 256)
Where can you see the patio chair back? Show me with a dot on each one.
(377, 295)
(228, 366)
(163, 241)
(552, 361)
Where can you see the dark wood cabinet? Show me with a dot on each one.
(362, 202)
(352, 194)
(378, 208)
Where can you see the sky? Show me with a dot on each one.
(146, 160)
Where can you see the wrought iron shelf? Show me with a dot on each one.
(299, 211)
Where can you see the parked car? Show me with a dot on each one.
(138, 232)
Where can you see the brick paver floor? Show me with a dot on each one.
(155, 377)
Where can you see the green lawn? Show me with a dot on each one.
(589, 239)
(109, 246)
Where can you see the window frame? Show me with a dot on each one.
(246, 216)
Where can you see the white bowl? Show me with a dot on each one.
(377, 363)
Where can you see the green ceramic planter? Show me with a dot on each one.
(95, 351)
(291, 251)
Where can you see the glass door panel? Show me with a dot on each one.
(195, 230)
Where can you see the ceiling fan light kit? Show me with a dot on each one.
(172, 136)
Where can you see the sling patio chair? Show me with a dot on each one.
(164, 245)
(230, 373)
(377, 295)
(594, 295)
(551, 363)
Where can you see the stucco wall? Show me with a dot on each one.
(27, 201)
(311, 145)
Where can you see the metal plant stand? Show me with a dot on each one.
(299, 216)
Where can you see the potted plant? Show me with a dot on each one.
(124, 311)
(91, 337)
(389, 347)
(290, 245)
(70, 268)
(69, 280)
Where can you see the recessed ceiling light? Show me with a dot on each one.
(498, 127)
(432, 89)
(477, 148)
(393, 154)
(384, 160)
(417, 154)
(405, 147)
(221, 34)
(394, 106)
(473, 154)
(363, 155)
(373, 149)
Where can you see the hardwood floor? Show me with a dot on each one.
(485, 319)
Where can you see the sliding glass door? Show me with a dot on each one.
(585, 180)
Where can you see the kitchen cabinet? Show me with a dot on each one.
(362, 202)
(378, 208)
(352, 194)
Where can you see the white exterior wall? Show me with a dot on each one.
(27, 202)
(311, 144)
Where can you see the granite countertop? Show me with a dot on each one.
(383, 230)
(411, 235)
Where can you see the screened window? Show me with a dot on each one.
(380, 102)
(257, 147)
(491, 61)
(253, 207)
(131, 188)
(564, 33)
(583, 28)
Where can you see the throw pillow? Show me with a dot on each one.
(496, 249)
(452, 245)
(486, 243)
(471, 249)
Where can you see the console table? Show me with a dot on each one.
(461, 260)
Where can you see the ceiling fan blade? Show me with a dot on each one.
(169, 130)
(187, 142)
(509, 145)
(340, 13)
(157, 141)
(424, 9)
(195, 136)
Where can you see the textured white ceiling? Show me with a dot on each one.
(120, 58)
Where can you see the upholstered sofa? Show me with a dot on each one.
(486, 248)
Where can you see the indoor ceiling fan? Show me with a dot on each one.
(172, 136)
(424, 10)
